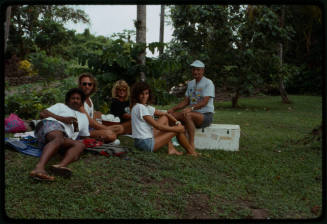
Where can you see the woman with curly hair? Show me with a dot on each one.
(150, 134)
(120, 105)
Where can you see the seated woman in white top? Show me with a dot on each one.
(150, 134)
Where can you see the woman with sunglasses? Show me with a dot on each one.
(120, 105)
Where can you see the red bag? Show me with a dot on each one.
(14, 124)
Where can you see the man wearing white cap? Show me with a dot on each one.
(198, 108)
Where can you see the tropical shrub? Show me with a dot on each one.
(26, 106)
(27, 101)
(48, 67)
(26, 66)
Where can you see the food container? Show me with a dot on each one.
(109, 119)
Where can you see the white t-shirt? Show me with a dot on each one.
(89, 109)
(140, 128)
(63, 110)
(197, 91)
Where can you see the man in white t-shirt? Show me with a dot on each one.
(88, 85)
(58, 130)
(198, 107)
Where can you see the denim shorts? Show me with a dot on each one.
(144, 144)
(207, 120)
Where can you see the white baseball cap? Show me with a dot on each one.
(198, 64)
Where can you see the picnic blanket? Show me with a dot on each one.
(24, 145)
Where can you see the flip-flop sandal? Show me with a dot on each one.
(61, 170)
(41, 176)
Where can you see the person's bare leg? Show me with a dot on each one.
(185, 144)
(117, 129)
(164, 138)
(192, 119)
(55, 140)
(172, 150)
(74, 150)
(162, 120)
(103, 135)
(158, 135)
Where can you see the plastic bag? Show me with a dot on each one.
(14, 124)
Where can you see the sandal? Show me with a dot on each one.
(41, 176)
(61, 170)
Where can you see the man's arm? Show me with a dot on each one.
(181, 105)
(66, 120)
(92, 122)
(197, 106)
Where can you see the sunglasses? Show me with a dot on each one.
(87, 83)
(122, 89)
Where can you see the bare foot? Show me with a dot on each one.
(175, 152)
(172, 150)
(195, 154)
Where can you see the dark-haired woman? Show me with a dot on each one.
(150, 134)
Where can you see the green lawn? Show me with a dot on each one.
(273, 175)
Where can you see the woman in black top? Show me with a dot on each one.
(120, 105)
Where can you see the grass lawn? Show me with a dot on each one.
(274, 175)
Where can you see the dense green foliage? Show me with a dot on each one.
(50, 67)
(41, 26)
(28, 100)
(274, 174)
(305, 50)
(240, 45)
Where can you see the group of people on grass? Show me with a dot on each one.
(65, 125)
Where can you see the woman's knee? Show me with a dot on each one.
(163, 119)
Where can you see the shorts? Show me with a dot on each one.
(207, 120)
(144, 144)
(44, 127)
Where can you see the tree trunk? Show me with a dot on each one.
(162, 27)
(282, 89)
(235, 98)
(8, 14)
(141, 34)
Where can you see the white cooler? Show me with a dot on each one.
(218, 136)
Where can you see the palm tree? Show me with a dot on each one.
(141, 34)
(282, 89)
(8, 14)
(162, 27)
